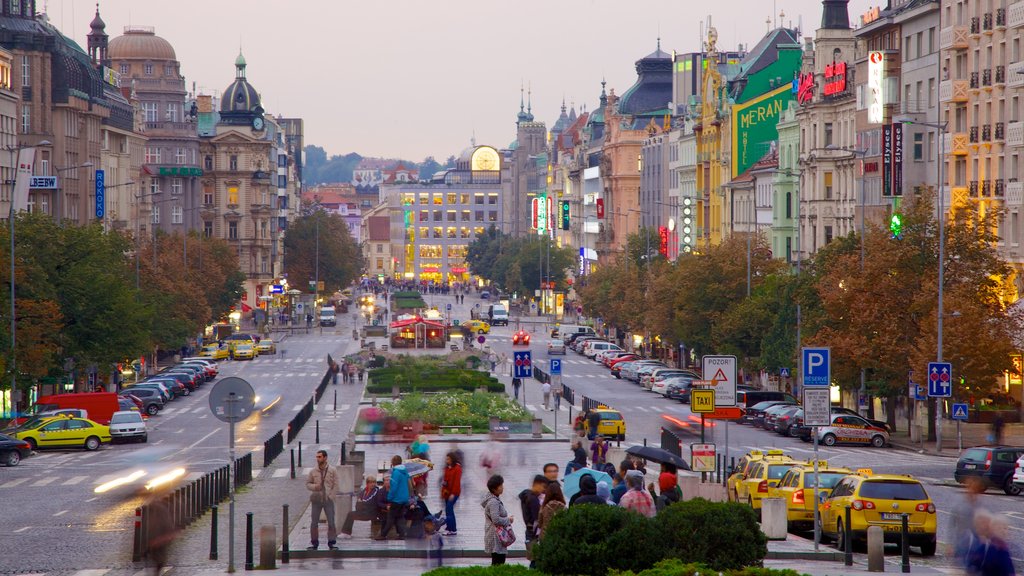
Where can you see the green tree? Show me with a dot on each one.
(340, 258)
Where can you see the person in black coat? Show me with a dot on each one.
(579, 459)
(587, 493)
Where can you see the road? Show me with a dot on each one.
(49, 498)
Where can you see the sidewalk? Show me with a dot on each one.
(973, 434)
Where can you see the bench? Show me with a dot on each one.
(452, 429)
(383, 466)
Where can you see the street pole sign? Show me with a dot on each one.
(721, 370)
(523, 364)
(816, 373)
(232, 401)
(702, 457)
(817, 406)
(702, 401)
(784, 372)
(556, 367)
(817, 367)
(940, 375)
(960, 412)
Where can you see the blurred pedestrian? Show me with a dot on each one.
(451, 489)
(516, 385)
(579, 459)
(495, 517)
(399, 498)
(963, 518)
(636, 498)
(554, 502)
(546, 390)
(335, 369)
(322, 483)
(598, 453)
(160, 532)
(997, 560)
(997, 430)
(593, 420)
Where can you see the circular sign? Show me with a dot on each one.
(579, 309)
(232, 399)
(481, 339)
(455, 322)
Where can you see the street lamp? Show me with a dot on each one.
(941, 129)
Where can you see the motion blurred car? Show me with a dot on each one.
(266, 346)
(13, 450)
(520, 338)
(244, 352)
(556, 347)
(148, 469)
(65, 432)
(478, 326)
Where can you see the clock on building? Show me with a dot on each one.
(257, 123)
(485, 159)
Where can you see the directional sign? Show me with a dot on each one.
(556, 366)
(940, 376)
(784, 372)
(721, 370)
(817, 406)
(702, 401)
(523, 364)
(960, 411)
(702, 457)
(817, 368)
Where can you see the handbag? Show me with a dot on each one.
(505, 535)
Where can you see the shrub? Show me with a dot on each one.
(592, 539)
(722, 535)
(430, 379)
(456, 409)
(675, 567)
(502, 570)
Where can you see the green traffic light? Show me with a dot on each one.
(896, 225)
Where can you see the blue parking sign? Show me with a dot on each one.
(817, 370)
(523, 364)
(556, 366)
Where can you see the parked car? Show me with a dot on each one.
(748, 398)
(783, 419)
(128, 426)
(65, 432)
(879, 423)
(593, 348)
(1018, 473)
(755, 413)
(663, 373)
(38, 417)
(128, 403)
(847, 429)
(678, 388)
(644, 371)
(13, 450)
(994, 465)
(556, 347)
(578, 344)
(152, 401)
(611, 361)
(771, 414)
(632, 371)
(215, 351)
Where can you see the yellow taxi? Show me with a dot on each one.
(743, 467)
(478, 326)
(880, 500)
(611, 424)
(764, 475)
(797, 489)
(65, 432)
(749, 479)
(244, 352)
(215, 351)
(266, 346)
(236, 340)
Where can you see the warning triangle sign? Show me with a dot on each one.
(959, 411)
(720, 376)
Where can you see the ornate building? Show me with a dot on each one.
(524, 172)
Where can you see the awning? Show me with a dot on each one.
(246, 307)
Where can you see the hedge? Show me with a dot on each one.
(592, 539)
(674, 567)
(457, 409)
(501, 570)
(723, 535)
(430, 379)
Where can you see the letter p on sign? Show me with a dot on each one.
(816, 369)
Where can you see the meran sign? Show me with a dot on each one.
(755, 126)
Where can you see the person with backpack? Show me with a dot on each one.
(529, 503)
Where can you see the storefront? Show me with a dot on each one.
(417, 332)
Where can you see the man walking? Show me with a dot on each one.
(322, 484)
(516, 384)
(398, 500)
(546, 389)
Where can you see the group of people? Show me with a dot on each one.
(347, 371)
(981, 536)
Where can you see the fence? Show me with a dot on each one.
(540, 375)
(243, 470)
(273, 448)
(589, 403)
(323, 385)
(300, 419)
(671, 442)
(568, 394)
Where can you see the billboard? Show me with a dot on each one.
(876, 85)
(755, 126)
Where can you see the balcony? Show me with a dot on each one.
(972, 188)
(157, 129)
(1015, 15)
(953, 91)
(986, 133)
(987, 22)
(1015, 75)
(975, 83)
(1000, 131)
(955, 37)
(1000, 17)
(973, 138)
(955, 143)
(1000, 188)
(975, 25)
(986, 77)
(1000, 74)
(1015, 134)
(1015, 193)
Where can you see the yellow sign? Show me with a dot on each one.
(702, 401)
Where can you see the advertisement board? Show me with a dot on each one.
(754, 126)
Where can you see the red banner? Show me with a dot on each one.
(600, 209)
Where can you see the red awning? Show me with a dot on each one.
(246, 307)
(416, 320)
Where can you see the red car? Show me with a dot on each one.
(610, 359)
(520, 337)
(625, 358)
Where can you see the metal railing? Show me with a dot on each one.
(273, 448)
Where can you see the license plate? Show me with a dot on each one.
(891, 516)
(970, 466)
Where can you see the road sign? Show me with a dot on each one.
(702, 457)
(817, 368)
(921, 393)
(725, 413)
(784, 372)
(960, 411)
(817, 407)
(101, 191)
(523, 364)
(449, 306)
(722, 371)
(556, 367)
(940, 377)
(232, 399)
(702, 401)
(481, 339)
(455, 322)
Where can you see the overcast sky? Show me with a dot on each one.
(412, 78)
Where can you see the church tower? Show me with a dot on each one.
(97, 41)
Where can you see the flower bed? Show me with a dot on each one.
(456, 409)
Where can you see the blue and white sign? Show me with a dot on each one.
(918, 392)
(449, 306)
(556, 366)
(940, 379)
(784, 372)
(817, 367)
(960, 411)
(276, 289)
(523, 364)
(101, 193)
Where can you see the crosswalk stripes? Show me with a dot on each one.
(73, 480)
(281, 472)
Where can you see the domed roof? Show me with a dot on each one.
(97, 22)
(240, 98)
(140, 43)
(653, 88)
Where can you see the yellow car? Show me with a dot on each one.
(611, 425)
(214, 352)
(478, 326)
(244, 352)
(750, 479)
(65, 432)
(236, 340)
(266, 346)
(743, 467)
(880, 500)
(797, 489)
(763, 476)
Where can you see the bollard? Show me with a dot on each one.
(645, 441)
(343, 452)
(248, 541)
(300, 453)
(285, 552)
(318, 431)
(847, 540)
(213, 532)
(905, 543)
(137, 538)
(335, 400)
(293, 463)
(876, 549)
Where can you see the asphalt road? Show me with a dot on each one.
(50, 517)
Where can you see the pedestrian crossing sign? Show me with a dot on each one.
(960, 411)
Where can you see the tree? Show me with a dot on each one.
(340, 259)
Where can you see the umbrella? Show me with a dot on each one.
(658, 455)
(418, 467)
(571, 483)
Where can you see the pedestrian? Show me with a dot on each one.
(554, 503)
(399, 498)
(371, 505)
(598, 453)
(495, 517)
(322, 483)
(618, 487)
(997, 430)
(587, 493)
(551, 472)
(361, 372)
(546, 390)
(160, 533)
(451, 489)
(558, 399)
(335, 369)
(529, 503)
(604, 491)
(636, 498)
(516, 385)
(579, 459)
(593, 420)
(963, 517)
(996, 560)
(668, 485)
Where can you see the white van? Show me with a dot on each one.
(497, 315)
(567, 330)
(328, 317)
(593, 348)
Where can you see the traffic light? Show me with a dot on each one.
(896, 226)
(565, 215)
(688, 236)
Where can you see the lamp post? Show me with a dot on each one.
(941, 128)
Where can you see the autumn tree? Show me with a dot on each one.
(321, 237)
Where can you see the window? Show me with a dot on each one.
(233, 195)
(26, 119)
(168, 70)
(152, 154)
(172, 112)
(177, 212)
(282, 161)
(263, 229)
(156, 214)
(15, 6)
(789, 249)
(282, 181)
(438, 217)
(466, 217)
(492, 216)
(176, 186)
(154, 186)
(492, 198)
(918, 146)
(828, 185)
(233, 163)
(451, 215)
(478, 198)
(26, 71)
(208, 228)
(150, 109)
(380, 248)
(380, 263)
(208, 163)
(125, 68)
(828, 234)
(828, 133)
(789, 204)
(232, 230)
(479, 216)
(424, 215)
(179, 156)
(147, 69)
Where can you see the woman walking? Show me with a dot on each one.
(451, 489)
(495, 516)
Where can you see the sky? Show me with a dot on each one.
(412, 78)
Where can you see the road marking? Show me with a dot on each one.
(179, 431)
(290, 375)
(93, 498)
(45, 481)
(22, 529)
(73, 480)
(193, 445)
(345, 407)
(641, 408)
(200, 409)
(298, 407)
(61, 513)
(281, 472)
(92, 572)
(287, 359)
(14, 483)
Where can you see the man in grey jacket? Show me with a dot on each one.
(322, 484)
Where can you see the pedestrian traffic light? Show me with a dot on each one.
(565, 215)
(896, 226)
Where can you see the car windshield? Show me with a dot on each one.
(776, 471)
(825, 479)
(893, 490)
(975, 454)
(764, 405)
(126, 418)
(611, 416)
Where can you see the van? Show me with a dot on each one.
(497, 315)
(100, 405)
(747, 398)
(328, 317)
(567, 331)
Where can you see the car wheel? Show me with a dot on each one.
(32, 444)
(480, 331)
(840, 536)
(793, 432)
(878, 441)
(92, 443)
(152, 409)
(1010, 488)
(829, 440)
(144, 438)
(187, 392)
(11, 458)
(928, 548)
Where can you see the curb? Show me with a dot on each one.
(448, 553)
(830, 556)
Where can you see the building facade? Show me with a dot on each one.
(785, 241)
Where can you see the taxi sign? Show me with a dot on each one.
(702, 401)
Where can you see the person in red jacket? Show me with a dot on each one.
(451, 488)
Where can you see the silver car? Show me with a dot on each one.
(556, 347)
